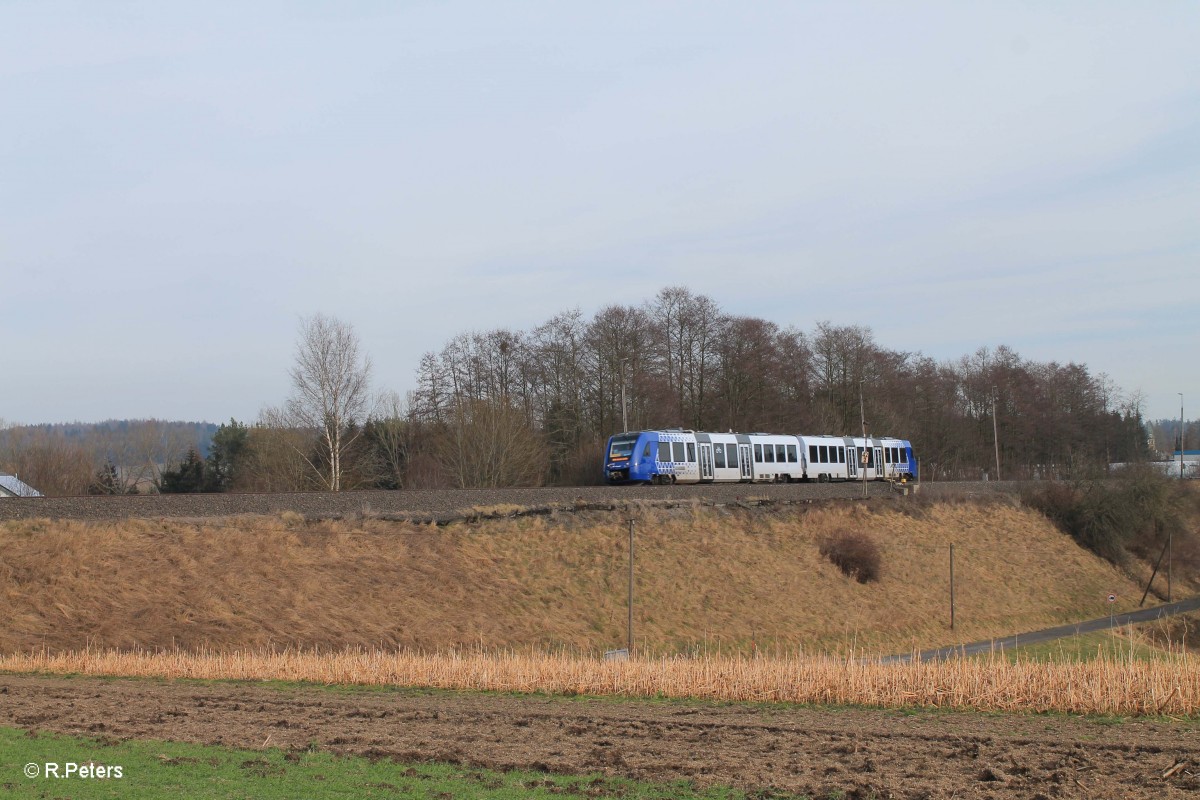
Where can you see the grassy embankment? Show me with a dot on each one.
(526, 604)
(707, 581)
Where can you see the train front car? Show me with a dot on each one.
(668, 456)
(629, 457)
(618, 457)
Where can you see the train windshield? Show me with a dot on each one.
(622, 447)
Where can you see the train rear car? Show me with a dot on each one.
(899, 461)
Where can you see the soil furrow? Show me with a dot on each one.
(793, 749)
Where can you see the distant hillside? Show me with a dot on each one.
(113, 437)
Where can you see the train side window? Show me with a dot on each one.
(691, 453)
(758, 453)
(646, 452)
(841, 455)
(887, 455)
(677, 451)
(812, 454)
(791, 453)
(768, 454)
(719, 456)
(903, 457)
(823, 454)
(664, 451)
(781, 454)
(733, 456)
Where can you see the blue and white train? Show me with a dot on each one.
(680, 456)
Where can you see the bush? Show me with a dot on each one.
(1131, 513)
(855, 554)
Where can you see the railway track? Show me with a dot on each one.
(452, 503)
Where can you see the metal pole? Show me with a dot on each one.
(1157, 564)
(866, 445)
(995, 435)
(624, 415)
(952, 587)
(1170, 534)
(629, 628)
(1181, 429)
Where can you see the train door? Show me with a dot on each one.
(706, 462)
(878, 463)
(744, 461)
(852, 461)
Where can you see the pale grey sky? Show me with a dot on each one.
(179, 185)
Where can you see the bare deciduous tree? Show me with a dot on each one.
(390, 437)
(46, 461)
(489, 445)
(280, 455)
(331, 381)
(151, 446)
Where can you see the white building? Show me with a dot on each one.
(1191, 465)
(12, 486)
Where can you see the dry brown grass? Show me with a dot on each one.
(1102, 686)
(717, 579)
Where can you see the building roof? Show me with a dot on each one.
(11, 486)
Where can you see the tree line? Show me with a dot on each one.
(528, 407)
(110, 457)
(679, 360)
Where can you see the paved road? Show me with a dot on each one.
(1049, 634)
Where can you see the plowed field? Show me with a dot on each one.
(816, 752)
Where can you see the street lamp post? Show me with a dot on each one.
(995, 435)
(624, 414)
(862, 414)
(1181, 430)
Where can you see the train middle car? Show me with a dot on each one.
(683, 456)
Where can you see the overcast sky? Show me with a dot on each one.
(179, 186)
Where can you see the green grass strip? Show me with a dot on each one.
(154, 769)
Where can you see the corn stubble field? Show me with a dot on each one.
(1104, 685)
(732, 604)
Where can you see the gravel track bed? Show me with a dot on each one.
(449, 504)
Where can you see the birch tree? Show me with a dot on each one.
(331, 382)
